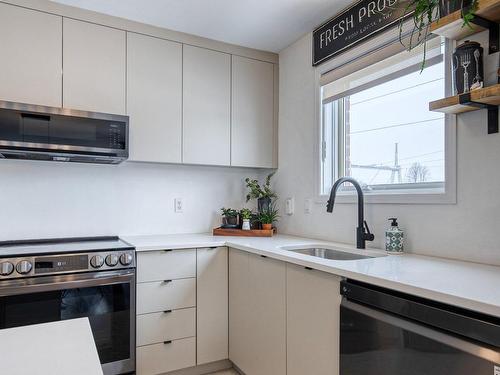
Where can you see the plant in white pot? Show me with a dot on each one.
(246, 215)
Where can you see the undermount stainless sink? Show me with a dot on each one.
(331, 254)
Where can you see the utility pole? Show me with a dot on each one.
(396, 168)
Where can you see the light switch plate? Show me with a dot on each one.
(178, 205)
(289, 206)
(308, 206)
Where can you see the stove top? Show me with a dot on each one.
(32, 258)
(62, 246)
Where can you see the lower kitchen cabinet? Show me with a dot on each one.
(166, 295)
(257, 313)
(212, 305)
(166, 325)
(164, 357)
(313, 321)
(182, 309)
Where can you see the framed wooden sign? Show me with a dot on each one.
(357, 23)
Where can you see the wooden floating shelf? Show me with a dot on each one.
(487, 96)
(451, 26)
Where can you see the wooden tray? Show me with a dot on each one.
(244, 233)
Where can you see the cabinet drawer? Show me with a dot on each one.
(161, 358)
(162, 265)
(160, 295)
(158, 327)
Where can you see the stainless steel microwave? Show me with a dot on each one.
(58, 134)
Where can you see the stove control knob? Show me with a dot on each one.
(24, 267)
(126, 259)
(112, 260)
(97, 261)
(6, 268)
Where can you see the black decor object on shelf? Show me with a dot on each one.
(468, 67)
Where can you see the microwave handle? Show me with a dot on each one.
(470, 347)
(61, 282)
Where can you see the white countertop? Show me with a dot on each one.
(468, 285)
(58, 348)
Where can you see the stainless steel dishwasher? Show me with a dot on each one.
(389, 333)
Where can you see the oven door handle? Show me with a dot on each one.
(484, 352)
(60, 282)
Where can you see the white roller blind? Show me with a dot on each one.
(385, 64)
(374, 50)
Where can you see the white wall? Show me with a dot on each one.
(468, 230)
(44, 199)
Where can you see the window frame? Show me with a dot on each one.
(389, 196)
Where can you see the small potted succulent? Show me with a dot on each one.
(229, 218)
(264, 194)
(246, 215)
(269, 216)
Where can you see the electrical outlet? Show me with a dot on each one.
(178, 205)
(307, 206)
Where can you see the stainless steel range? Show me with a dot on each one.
(51, 280)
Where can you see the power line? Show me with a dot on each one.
(411, 157)
(395, 92)
(395, 126)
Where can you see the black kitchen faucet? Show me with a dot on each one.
(362, 232)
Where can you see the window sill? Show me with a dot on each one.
(393, 197)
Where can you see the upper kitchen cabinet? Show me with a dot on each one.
(31, 63)
(207, 107)
(94, 61)
(252, 136)
(154, 98)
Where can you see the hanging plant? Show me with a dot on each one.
(425, 12)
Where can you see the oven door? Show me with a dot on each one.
(106, 298)
(373, 342)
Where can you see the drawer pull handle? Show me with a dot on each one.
(167, 250)
(308, 268)
(167, 311)
(167, 281)
(167, 342)
(263, 256)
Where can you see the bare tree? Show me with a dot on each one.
(417, 173)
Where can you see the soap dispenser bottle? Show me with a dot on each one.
(394, 238)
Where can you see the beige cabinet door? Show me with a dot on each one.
(207, 107)
(240, 314)
(252, 124)
(212, 305)
(94, 67)
(31, 50)
(154, 98)
(313, 321)
(257, 314)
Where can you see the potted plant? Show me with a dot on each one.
(229, 218)
(269, 216)
(246, 215)
(264, 194)
(424, 12)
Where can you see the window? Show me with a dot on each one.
(377, 128)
